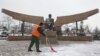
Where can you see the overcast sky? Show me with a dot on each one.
(55, 7)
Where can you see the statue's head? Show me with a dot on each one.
(41, 24)
(50, 15)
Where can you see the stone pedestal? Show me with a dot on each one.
(75, 38)
(52, 37)
(19, 38)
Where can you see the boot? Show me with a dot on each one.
(38, 50)
(30, 50)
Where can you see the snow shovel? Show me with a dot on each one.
(48, 42)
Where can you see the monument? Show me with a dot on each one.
(58, 23)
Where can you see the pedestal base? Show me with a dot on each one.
(52, 37)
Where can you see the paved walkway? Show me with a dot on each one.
(65, 48)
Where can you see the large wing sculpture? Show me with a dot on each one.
(60, 19)
(26, 18)
(73, 18)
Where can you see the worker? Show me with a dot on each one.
(36, 35)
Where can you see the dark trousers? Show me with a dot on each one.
(34, 40)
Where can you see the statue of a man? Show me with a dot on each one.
(49, 23)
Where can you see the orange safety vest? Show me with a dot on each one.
(35, 32)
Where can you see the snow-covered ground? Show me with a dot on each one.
(64, 48)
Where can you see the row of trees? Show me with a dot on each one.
(83, 30)
(15, 27)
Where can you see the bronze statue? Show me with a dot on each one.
(49, 23)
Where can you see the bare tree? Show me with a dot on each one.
(8, 20)
(96, 33)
